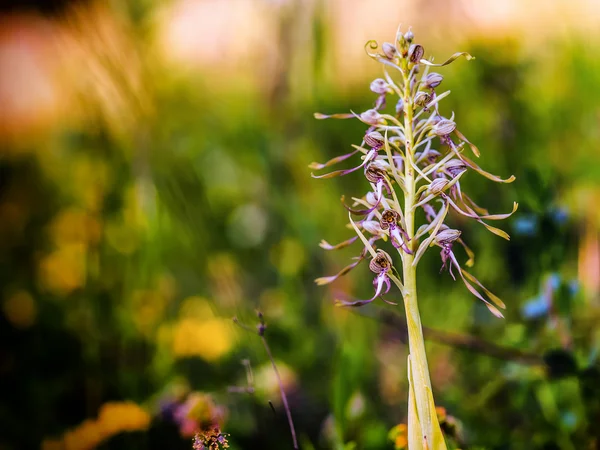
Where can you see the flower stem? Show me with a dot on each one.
(420, 371)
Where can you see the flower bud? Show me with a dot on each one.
(379, 86)
(409, 36)
(389, 50)
(422, 98)
(374, 172)
(382, 262)
(374, 139)
(400, 106)
(447, 237)
(437, 186)
(389, 218)
(455, 167)
(444, 127)
(431, 80)
(371, 116)
(415, 53)
(432, 156)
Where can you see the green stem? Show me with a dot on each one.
(416, 343)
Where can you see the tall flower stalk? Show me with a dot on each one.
(408, 175)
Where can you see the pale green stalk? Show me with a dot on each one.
(421, 384)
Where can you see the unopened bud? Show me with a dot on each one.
(409, 36)
(389, 50)
(374, 139)
(371, 116)
(382, 262)
(447, 237)
(431, 80)
(455, 167)
(374, 173)
(379, 86)
(444, 127)
(422, 98)
(437, 186)
(415, 53)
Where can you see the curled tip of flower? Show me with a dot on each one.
(389, 50)
(415, 53)
(379, 85)
(381, 263)
(443, 127)
(371, 116)
(431, 80)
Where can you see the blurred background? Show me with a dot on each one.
(154, 184)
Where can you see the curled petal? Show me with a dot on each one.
(474, 291)
(339, 173)
(491, 295)
(501, 216)
(356, 303)
(474, 148)
(320, 116)
(337, 159)
(488, 175)
(473, 215)
(449, 60)
(363, 212)
(326, 280)
(327, 246)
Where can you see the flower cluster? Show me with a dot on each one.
(413, 158)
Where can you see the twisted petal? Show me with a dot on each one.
(327, 246)
(326, 280)
(449, 60)
(488, 175)
(474, 291)
(473, 215)
(337, 159)
(338, 173)
(474, 148)
(320, 116)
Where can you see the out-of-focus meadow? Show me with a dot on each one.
(154, 184)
